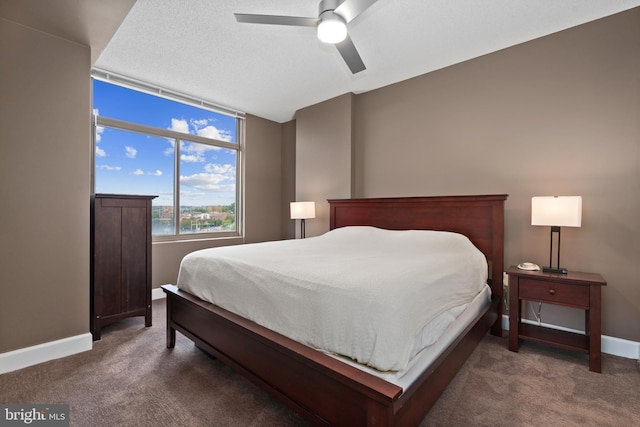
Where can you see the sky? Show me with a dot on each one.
(132, 163)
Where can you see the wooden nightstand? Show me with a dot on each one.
(575, 289)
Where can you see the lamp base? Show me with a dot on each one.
(555, 270)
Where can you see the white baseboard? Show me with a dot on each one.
(610, 345)
(620, 347)
(24, 357)
(29, 356)
(157, 293)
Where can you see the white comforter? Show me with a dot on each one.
(361, 292)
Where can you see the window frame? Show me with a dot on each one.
(178, 138)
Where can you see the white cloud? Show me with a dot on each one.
(179, 125)
(220, 169)
(214, 132)
(208, 182)
(130, 152)
(217, 177)
(99, 131)
(191, 158)
(191, 152)
(199, 123)
(200, 127)
(140, 172)
(109, 168)
(170, 150)
(100, 152)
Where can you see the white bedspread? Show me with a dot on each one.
(361, 292)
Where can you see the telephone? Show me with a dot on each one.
(528, 266)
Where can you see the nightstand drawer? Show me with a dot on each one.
(554, 292)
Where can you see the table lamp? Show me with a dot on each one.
(302, 211)
(556, 211)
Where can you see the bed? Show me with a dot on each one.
(324, 389)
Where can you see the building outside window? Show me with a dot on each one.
(147, 142)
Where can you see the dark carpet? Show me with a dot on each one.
(131, 379)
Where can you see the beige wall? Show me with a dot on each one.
(45, 175)
(324, 156)
(555, 116)
(288, 178)
(263, 180)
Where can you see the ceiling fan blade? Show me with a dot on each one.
(350, 9)
(298, 21)
(350, 55)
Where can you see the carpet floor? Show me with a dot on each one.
(131, 379)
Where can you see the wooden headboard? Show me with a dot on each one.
(480, 218)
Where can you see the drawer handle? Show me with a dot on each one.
(552, 291)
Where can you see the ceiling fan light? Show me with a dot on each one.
(332, 28)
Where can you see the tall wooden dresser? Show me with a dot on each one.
(120, 259)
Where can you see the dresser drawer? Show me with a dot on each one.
(554, 292)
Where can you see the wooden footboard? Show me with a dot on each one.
(319, 387)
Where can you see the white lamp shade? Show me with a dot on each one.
(303, 210)
(562, 211)
(332, 28)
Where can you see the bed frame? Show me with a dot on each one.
(320, 388)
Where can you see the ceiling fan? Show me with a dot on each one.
(331, 23)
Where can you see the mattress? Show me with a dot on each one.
(374, 296)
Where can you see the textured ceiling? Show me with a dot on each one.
(197, 48)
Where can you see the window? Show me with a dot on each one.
(186, 155)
